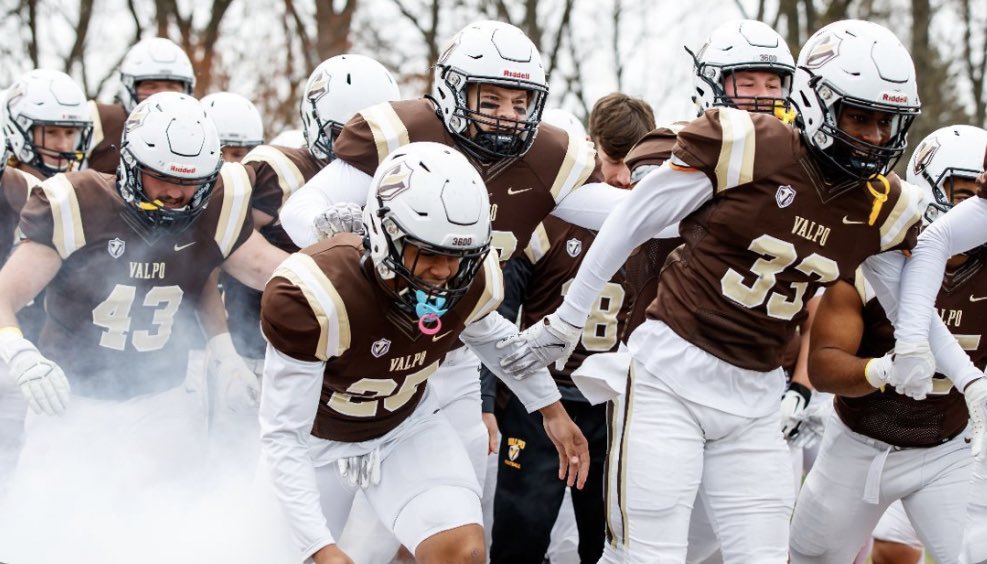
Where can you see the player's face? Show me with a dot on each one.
(742, 85)
(870, 126)
(146, 88)
(53, 140)
(615, 171)
(963, 188)
(432, 268)
(172, 196)
(234, 154)
(497, 102)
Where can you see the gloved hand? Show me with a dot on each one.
(878, 370)
(361, 471)
(975, 395)
(42, 382)
(344, 217)
(912, 370)
(793, 403)
(549, 340)
(238, 386)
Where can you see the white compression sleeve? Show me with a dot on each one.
(964, 227)
(660, 200)
(589, 205)
(289, 400)
(883, 271)
(339, 182)
(482, 336)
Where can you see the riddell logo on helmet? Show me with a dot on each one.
(516, 74)
(182, 169)
(894, 98)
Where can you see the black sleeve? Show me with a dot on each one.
(518, 273)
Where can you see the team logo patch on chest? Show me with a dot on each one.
(380, 348)
(116, 247)
(574, 247)
(785, 196)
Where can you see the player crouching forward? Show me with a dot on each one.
(355, 327)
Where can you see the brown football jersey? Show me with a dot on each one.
(15, 185)
(556, 250)
(900, 420)
(108, 122)
(325, 303)
(279, 173)
(769, 238)
(654, 148)
(121, 310)
(522, 191)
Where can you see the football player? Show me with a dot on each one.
(238, 123)
(769, 213)
(356, 326)
(490, 89)
(881, 445)
(152, 65)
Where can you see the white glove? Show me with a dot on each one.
(238, 386)
(793, 404)
(878, 370)
(911, 373)
(551, 339)
(42, 382)
(344, 217)
(976, 403)
(361, 471)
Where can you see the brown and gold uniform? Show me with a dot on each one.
(324, 303)
(897, 419)
(522, 191)
(769, 239)
(108, 121)
(121, 309)
(15, 186)
(279, 172)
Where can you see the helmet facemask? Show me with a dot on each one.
(715, 78)
(67, 160)
(321, 146)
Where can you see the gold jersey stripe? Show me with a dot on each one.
(67, 236)
(326, 303)
(539, 244)
(97, 126)
(862, 287)
(236, 204)
(493, 289)
(735, 165)
(388, 129)
(290, 178)
(904, 215)
(578, 164)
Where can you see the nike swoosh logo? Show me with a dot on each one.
(185, 246)
(440, 337)
(851, 222)
(973, 299)
(511, 191)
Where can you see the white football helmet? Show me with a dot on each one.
(236, 118)
(742, 45)
(566, 120)
(169, 137)
(4, 147)
(429, 196)
(336, 90)
(860, 64)
(956, 151)
(43, 98)
(498, 54)
(155, 58)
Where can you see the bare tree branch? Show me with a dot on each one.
(82, 31)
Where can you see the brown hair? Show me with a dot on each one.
(618, 121)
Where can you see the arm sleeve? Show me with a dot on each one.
(517, 276)
(590, 205)
(660, 200)
(964, 227)
(883, 272)
(338, 182)
(289, 400)
(482, 336)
